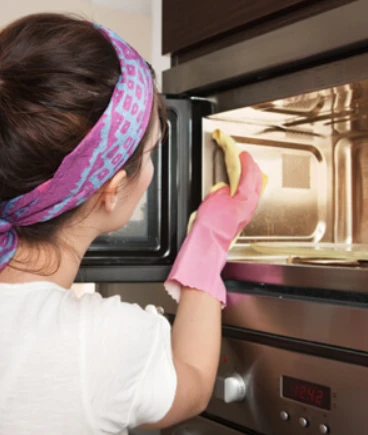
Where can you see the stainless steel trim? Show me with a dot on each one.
(315, 321)
(330, 31)
(299, 275)
(349, 70)
(112, 273)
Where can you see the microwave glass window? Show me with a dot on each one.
(137, 227)
(143, 231)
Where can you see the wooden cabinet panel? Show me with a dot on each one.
(189, 22)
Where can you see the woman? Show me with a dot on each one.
(79, 118)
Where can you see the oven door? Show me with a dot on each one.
(145, 248)
(200, 426)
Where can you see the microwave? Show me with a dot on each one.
(295, 98)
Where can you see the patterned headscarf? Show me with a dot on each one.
(103, 152)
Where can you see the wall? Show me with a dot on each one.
(134, 28)
(159, 62)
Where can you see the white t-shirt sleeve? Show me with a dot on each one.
(128, 375)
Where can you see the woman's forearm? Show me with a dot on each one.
(196, 337)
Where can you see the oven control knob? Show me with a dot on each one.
(324, 429)
(230, 389)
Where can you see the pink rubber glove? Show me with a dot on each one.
(220, 218)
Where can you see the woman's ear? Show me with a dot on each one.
(110, 193)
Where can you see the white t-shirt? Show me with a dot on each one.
(72, 366)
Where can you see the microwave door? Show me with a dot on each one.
(145, 248)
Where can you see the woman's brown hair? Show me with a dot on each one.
(57, 75)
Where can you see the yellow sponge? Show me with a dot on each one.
(233, 167)
(232, 161)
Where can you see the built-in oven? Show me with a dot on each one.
(291, 363)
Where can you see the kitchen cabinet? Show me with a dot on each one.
(195, 27)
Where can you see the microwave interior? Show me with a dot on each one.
(314, 149)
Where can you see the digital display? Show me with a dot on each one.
(306, 392)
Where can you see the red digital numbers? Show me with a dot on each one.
(319, 397)
(311, 394)
(302, 391)
(306, 392)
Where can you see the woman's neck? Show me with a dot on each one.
(58, 264)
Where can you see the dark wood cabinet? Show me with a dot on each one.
(195, 27)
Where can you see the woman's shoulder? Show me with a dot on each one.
(113, 314)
